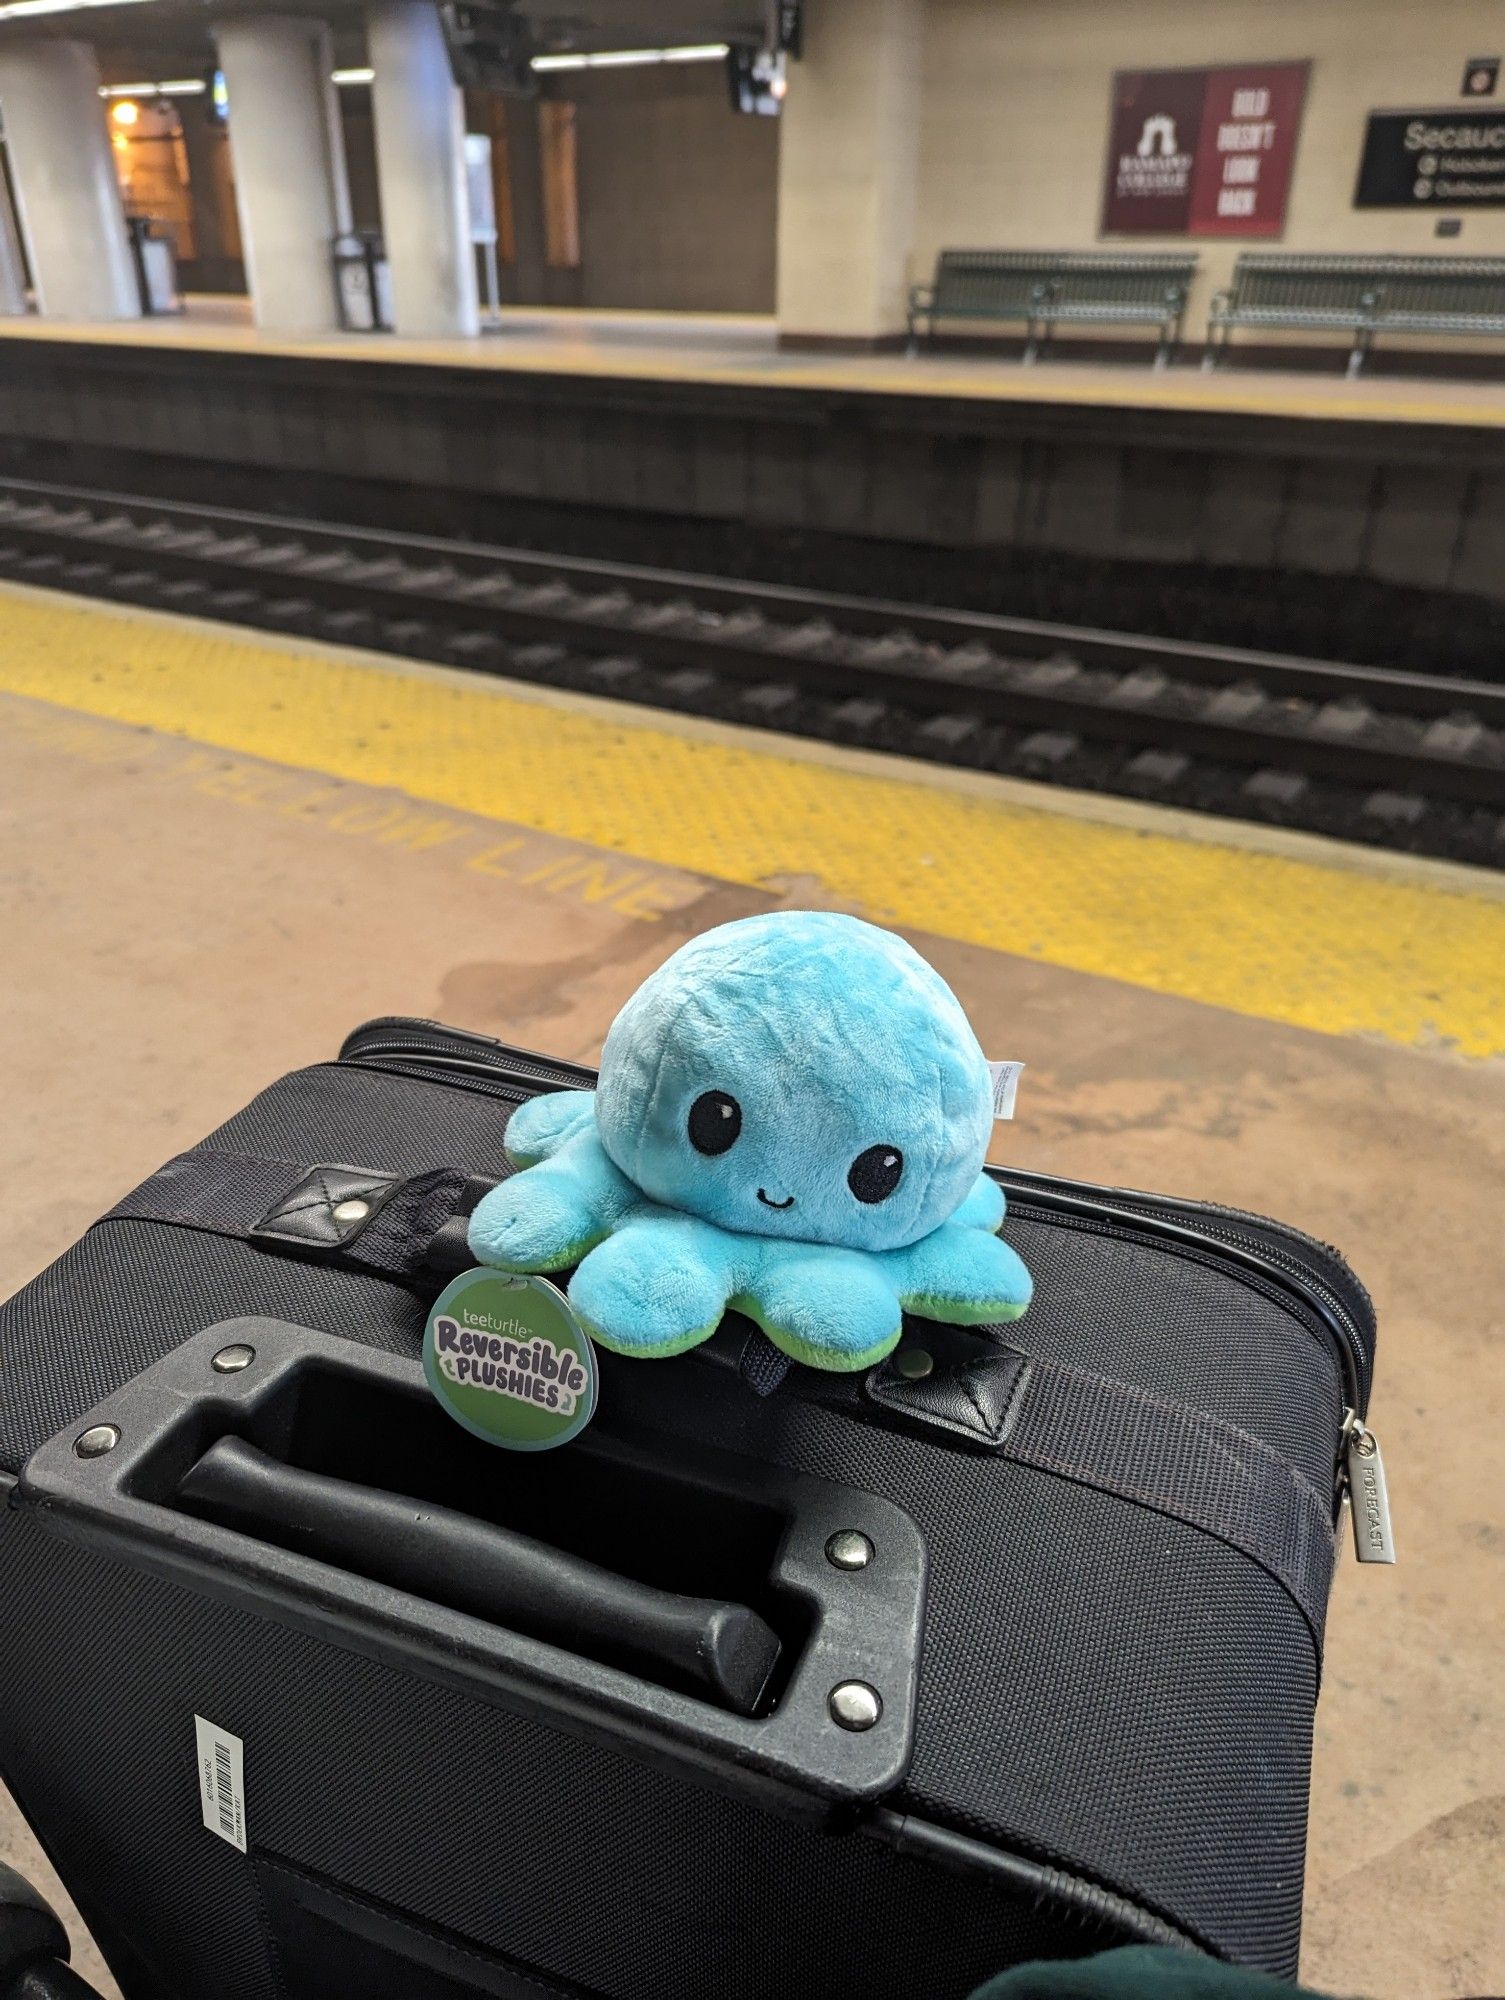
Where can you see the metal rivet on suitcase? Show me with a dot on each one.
(230, 1360)
(913, 1363)
(854, 1705)
(848, 1549)
(354, 1210)
(97, 1440)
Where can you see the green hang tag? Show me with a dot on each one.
(509, 1360)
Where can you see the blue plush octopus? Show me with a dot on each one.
(792, 1118)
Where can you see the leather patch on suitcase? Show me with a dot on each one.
(976, 1397)
(327, 1209)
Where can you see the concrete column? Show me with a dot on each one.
(420, 167)
(291, 193)
(12, 265)
(71, 213)
(848, 155)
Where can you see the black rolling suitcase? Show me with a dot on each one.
(280, 1742)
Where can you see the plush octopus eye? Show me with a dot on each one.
(715, 1120)
(875, 1174)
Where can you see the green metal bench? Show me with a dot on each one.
(1363, 296)
(1044, 289)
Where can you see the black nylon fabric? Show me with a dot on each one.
(515, 1837)
(1101, 1686)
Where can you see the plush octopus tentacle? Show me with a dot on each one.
(984, 1206)
(660, 1284)
(962, 1275)
(549, 1216)
(828, 1307)
(539, 1127)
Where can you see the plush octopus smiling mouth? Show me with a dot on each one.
(791, 1121)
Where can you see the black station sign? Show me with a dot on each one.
(1433, 159)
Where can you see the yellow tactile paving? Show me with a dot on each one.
(691, 348)
(1339, 947)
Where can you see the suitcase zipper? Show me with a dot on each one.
(1274, 1242)
(396, 1039)
(1362, 1479)
(1251, 1245)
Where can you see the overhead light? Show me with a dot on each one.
(126, 112)
(178, 86)
(17, 10)
(632, 58)
(195, 86)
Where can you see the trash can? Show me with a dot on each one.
(155, 256)
(363, 282)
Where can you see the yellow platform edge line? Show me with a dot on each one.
(1328, 945)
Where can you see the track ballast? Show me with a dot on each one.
(1399, 760)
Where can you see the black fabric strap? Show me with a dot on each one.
(384, 1223)
(1107, 1434)
(412, 1230)
(1145, 1448)
(1187, 1464)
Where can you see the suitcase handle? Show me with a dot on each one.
(724, 1650)
(258, 1463)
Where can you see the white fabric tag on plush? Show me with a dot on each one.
(222, 1781)
(1005, 1087)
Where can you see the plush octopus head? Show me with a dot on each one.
(800, 1075)
(792, 1119)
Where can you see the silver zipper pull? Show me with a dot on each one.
(1368, 1497)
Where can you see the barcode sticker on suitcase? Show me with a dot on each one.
(222, 1782)
(1005, 1087)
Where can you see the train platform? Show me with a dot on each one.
(728, 350)
(226, 848)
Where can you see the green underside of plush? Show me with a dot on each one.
(956, 1312)
(833, 1359)
(662, 1350)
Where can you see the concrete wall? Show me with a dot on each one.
(1016, 111)
(1203, 491)
(678, 193)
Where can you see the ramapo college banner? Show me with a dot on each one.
(1203, 152)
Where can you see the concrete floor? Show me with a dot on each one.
(733, 348)
(181, 924)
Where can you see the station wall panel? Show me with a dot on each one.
(1016, 109)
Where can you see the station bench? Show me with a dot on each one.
(1363, 296)
(1043, 289)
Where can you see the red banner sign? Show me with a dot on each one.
(1203, 152)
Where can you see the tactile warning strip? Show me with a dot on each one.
(1332, 941)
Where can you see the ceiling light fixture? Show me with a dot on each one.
(178, 86)
(631, 58)
(20, 10)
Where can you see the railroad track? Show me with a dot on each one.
(1400, 760)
